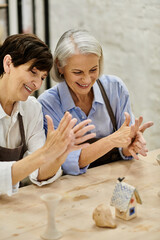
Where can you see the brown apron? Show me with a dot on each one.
(15, 154)
(114, 154)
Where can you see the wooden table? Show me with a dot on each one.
(24, 216)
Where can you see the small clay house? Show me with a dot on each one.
(125, 198)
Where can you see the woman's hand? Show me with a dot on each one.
(80, 136)
(138, 143)
(122, 137)
(66, 137)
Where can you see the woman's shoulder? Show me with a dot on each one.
(49, 94)
(112, 81)
(32, 101)
(31, 105)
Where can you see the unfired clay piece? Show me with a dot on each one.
(103, 217)
(51, 201)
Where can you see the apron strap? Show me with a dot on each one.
(21, 126)
(108, 106)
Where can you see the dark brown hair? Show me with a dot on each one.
(26, 47)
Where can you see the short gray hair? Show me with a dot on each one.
(69, 43)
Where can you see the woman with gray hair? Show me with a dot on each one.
(86, 93)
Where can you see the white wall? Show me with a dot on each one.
(3, 17)
(129, 31)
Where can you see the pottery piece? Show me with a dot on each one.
(103, 217)
(51, 201)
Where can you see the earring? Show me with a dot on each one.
(61, 75)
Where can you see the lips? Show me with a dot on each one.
(28, 88)
(83, 85)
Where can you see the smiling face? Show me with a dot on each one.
(81, 72)
(22, 81)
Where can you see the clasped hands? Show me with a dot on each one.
(137, 142)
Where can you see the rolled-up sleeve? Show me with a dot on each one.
(71, 165)
(6, 179)
(123, 156)
(33, 177)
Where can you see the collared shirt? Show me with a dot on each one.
(57, 100)
(10, 138)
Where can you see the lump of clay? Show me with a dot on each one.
(103, 217)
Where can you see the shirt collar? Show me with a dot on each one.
(17, 109)
(2, 112)
(66, 98)
(97, 94)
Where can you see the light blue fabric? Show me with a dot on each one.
(57, 100)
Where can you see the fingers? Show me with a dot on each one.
(136, 150)
(140, 120)
(80, 130)
(49, 123)
(65, 121)
(134, 129)
(82, 139)
(84, 130)
(143, 152)
(139, 140)
(127, 119)
(71, 124)
(78, 136)
(145, 126)
(133, 153)
(77, 147)
(66, 124)
(140, 149)
(136, 125)
(138, 146)
(81, 125)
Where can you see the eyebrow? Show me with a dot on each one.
(45, 74)
(75, 69)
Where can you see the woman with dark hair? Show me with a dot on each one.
(25, 62)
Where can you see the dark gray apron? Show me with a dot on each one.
(15, 154)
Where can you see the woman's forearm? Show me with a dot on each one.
(99, 148)
(38, 159)
(95, 151)
(49, 169)
(27, 165)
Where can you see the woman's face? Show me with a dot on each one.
(23, 82)
(81, 72)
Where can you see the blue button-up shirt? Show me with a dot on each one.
(57, 100)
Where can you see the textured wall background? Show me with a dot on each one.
(129, 31)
